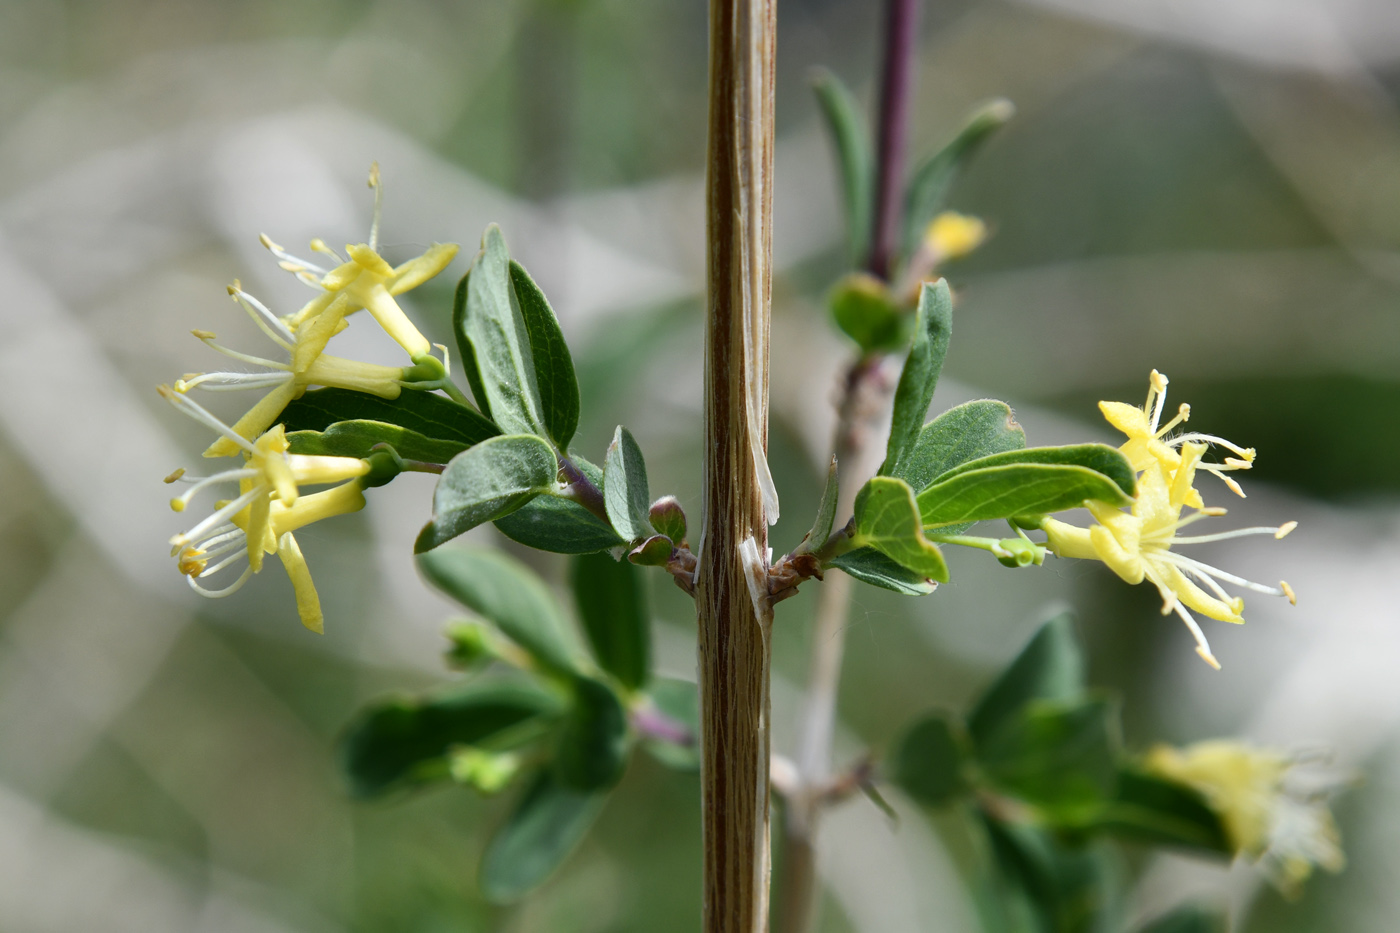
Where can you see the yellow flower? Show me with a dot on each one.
(1288, 832)
(268, 508)
(951, 235)
(366, 281)
(1138, 545)
(1148, 442)
(307, 365)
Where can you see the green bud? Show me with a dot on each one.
(653, 552)
(485, 772)
(473, 644)
(1018, 552)
(868, 314)
(668, 518)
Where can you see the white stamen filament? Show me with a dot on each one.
(232, 382)
(1196, 437)
(378, 203)
(288, 261)
(1185, 562)
(1202, 645)
(196, 411)
(1225, 535)
(244, 357)
(226, 591)
(240, 553)
(1209, 581)
(262, 316)
(218, 517)
(203, 482)
(318, 245)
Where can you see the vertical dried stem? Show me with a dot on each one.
(863, 396)
(734, 626)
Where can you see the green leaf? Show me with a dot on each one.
(424, 413)
(678, 702)
(494, 329)
(933, 324)
(1188, 918)
(864, 310)
(551, 523)
(612, 605)
(887, 519)
(505, 592)
(625, 491)
(1100, 458)
(489, 481)
(593, 741)
(1060, 755)
(963, 433)
(466, 357)
(1152, 810)
(852, 140)
(1013, 490)
(401, 741)
(1041, 885)
(826, 514)
(547, 824)
(357, 439)
(928, 189)
(1049, 667)
(870, 566)
(554, 367)
(928, 762)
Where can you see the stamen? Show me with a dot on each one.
(1182, 414)
(1284, 529)
(241, 554)
(174, 477)
(204, 482)
(1185, 562)
(1202, 645)
(262, 316)
(196, 411)
(1215, 587)
(288, 261)
(1246, 452)
(230, 509)
(231, 382)
(378, 204)
(1288, 591)
(1278, 532)
(318, 245)
(241, 357)
(226, 591)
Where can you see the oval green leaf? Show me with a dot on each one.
(933, 325)
(547, 824)
(962, 433)
(625, 491)
(592, 746)
(554, 366)
(611, 599)
(928, 764)
(1100, 458)
(887, 519)
(508, 594)
(870, 566)
(1014, 490)
(358, 438)
(427, 414)
(489, 481)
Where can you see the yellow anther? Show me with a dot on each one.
(177, 505)
(1234, 486)
(1213, 511)
(1284, 529)
(374, 174)
(1208, 657)
(267, 242)
(1288, 591)
(173, 477)
(205, 334)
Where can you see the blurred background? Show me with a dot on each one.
(1208, 188)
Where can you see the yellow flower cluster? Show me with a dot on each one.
(1139, 545)
(1265, 819)
(269, 507)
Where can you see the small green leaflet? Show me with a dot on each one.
(1097, 457)
(490, 480)
(548, 822)
(887, 519)
(505, 592)
(870, 566)
(962, 433)
(358, 438)
(406, 740)
(1014, 490)
(933, 325)
(826, 514)
(1152, 810)
(424, 413)
(625, 487)
(1060, 755)
(554, 367)
(852, 141)
(862, 307)
(1049, 667)
(494, 329)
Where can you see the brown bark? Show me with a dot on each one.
(734, 627)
